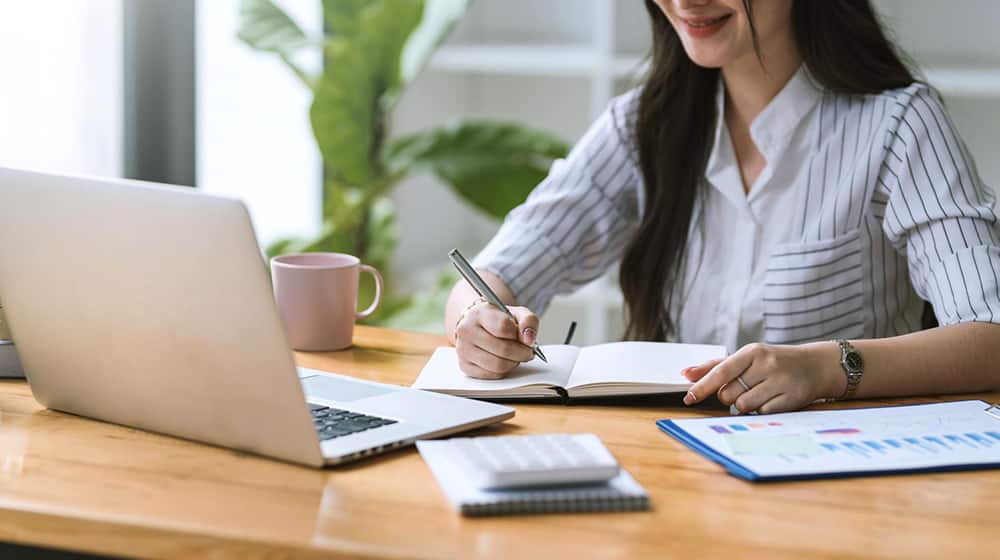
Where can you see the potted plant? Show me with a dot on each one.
(372, 50)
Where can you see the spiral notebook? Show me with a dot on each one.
(621, 493)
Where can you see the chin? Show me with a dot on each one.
(709, 59)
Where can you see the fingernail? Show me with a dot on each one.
(529, 336)
(689, 398)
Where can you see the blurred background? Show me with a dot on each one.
(168, 91)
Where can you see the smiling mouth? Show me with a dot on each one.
(705, 22)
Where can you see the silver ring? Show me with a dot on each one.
(743, 383)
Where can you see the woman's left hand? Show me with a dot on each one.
(780, 378)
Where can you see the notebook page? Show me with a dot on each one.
(658, 363)
(442, 372)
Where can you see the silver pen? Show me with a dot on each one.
(483, 289)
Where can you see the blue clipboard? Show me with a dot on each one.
(737, 469)
(705, 450)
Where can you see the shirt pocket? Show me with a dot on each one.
(815, 290)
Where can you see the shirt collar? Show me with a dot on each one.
(786, 111)
(771, 130)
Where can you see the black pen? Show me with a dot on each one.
(569, 334)
(483, 289)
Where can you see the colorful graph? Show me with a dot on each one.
(839, 431)
(865, 440)
(922, 445)
(742, 427)
(774, 444)
(754, 438)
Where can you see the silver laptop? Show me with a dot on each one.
(151, 306)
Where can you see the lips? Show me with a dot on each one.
(701, 27)
(705, 22)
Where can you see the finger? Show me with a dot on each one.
(468, 324)
(527, 323)
(711, 363)
(496, 322)
(729, 392)
(472, 370)
(502, 347)
(485, 360)
(732, 390)
(781, 402)
(722, 373)
(473, 333)
(694, 373)
(759, 394)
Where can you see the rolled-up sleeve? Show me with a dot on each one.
(577, 222)
(939, 212)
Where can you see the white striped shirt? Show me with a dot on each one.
(867, 207)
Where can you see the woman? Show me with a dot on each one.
(780, 177)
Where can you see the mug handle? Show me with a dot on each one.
(378, 291)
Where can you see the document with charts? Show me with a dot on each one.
(831, 443)
(603, 370)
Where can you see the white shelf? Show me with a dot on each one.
(578, 61)
(965, 81)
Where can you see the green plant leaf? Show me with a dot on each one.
(491, 165)
(493, 188)
(282, 247)
(266, 27)
(342, 16)
(386, 26)
(341, 114)
(425, 310)
(381, 232)
(439, 18)
(359, 85)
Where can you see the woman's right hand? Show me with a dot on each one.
(490, 344)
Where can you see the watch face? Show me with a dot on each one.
(853, 361)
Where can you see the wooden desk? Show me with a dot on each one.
(68, 482)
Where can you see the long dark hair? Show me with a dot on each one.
(844, 48)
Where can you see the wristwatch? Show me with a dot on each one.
(854, 367)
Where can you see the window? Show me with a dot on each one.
(254, 140)
(61, 99)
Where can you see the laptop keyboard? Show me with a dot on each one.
(333, 422)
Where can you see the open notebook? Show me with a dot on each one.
(604, 370)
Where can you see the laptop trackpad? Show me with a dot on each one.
(343, 390)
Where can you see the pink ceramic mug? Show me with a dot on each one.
(317, 295)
